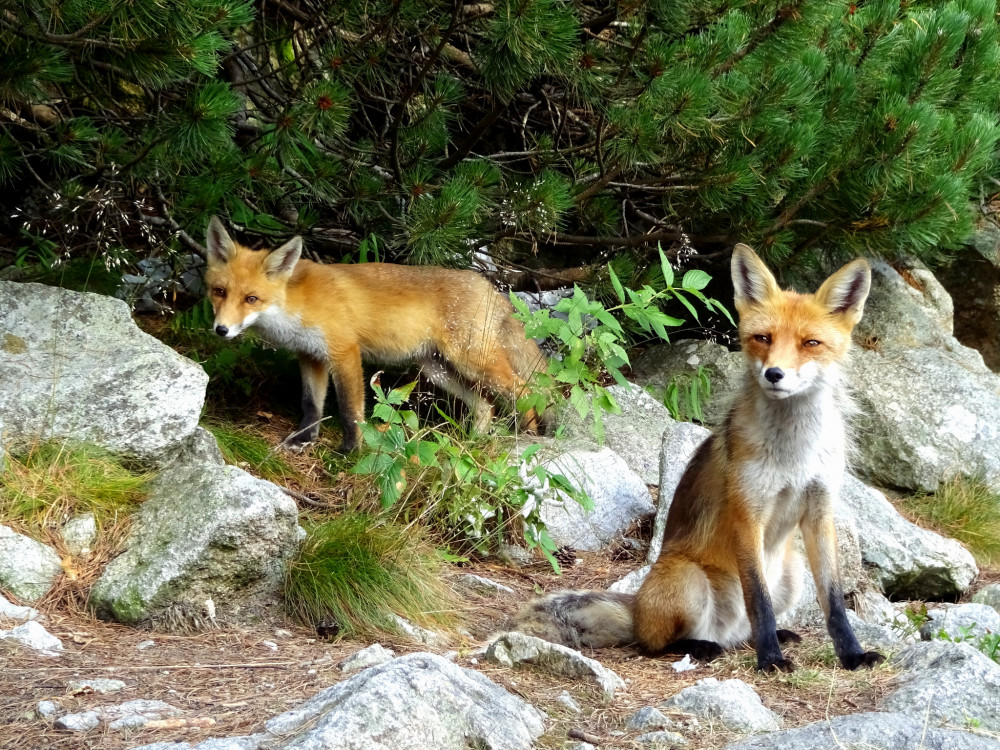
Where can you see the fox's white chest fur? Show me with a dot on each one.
(799, 446)
(286, 331)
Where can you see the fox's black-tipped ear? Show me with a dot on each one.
(752, 281)
(220, 245)
(281, 262)
(845, 292)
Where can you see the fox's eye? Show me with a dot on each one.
(219, 292)
(251, 299)
(811, 342)
(762, 338)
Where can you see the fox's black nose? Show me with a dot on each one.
(222, 331)
(773, 374)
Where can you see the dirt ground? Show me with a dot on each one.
(238, 678)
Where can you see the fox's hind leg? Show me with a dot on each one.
(444, 378)
(675, 608)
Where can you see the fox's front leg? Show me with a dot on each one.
(820, 536)
(315, 376)
(349, 382)
(748, 538)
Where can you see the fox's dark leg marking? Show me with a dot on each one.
(315, 377)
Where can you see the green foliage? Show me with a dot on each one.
(527, 126)
(684, 395)
(592, 339)
(966, 510)
(472, 490)
(357, 571)
(49, 483)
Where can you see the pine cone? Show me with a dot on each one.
(566, 556)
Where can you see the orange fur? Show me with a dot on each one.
(453, 323)
(728, 566)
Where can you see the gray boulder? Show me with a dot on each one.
(910, 360)
(366, 657)
(516, 648)
(678, 443)
(988, 594)
(958, 622)
(732, 702)
(871, 731)
(79, 533)
(414, 702)
(903, 559)
(634, 434)
(659, 365)
(619, 495)
(27, 568)
(32, 635)
(14, 612)
(75, 366)
(207, 532)
(946, 683)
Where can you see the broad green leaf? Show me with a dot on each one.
(695, 279)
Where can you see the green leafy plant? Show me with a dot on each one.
(685, 394)
(356, 572)
(592, 339)
(473, 489)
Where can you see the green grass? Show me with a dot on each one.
(44, 486)
(966, 510)
(357, 571)
(241, 445)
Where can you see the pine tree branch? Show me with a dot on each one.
(400, 107)
(477, 132)
(780, 17)
(636, 240)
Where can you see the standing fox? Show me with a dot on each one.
(456, 326)
(776, 463)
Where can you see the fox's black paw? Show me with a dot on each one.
(789, 636)
(776, 665)
(867, 659)
(700, 650)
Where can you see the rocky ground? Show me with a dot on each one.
(229, 682)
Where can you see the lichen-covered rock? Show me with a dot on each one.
(733, 703)
(32, 635)
(929, 407)
(946, 683)
(678, 443)
(79, 533)
(619, 495)
(634, 434)
(74, 366)
(516, 648)
(206, 532)
(27, 568)
(867, 731)
(905, 560)
(415, 702)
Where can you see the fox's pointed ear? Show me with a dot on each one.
(845, 292)
(220, 245)
(752, 281)
(281, 262)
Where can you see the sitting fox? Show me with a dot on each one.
(728, 567)
(456, 326)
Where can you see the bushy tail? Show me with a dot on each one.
(595, 619)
